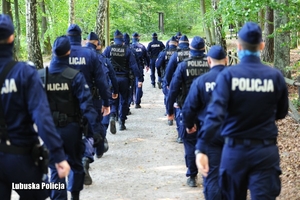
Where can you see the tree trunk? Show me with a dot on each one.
(268, 52)
(71, 12)
(220, 35)
(32, 37)
(46, 47)
(213, 33)
(281, 41)
(100, 20)
(17, 31)
(206, 28)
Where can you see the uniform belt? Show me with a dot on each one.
(229, 140)
(15, 150)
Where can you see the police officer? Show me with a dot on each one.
(183, 77)
(123, 61)
(126, 39)
(182, 53)
(161, 64)
(195, 108)
(23, 103)
(177, 36)
(86, 60)
(154, 48)
(246, 101)
(69, 96)
(143, 60)
(94, 43)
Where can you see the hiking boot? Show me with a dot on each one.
(137, 106)
(87, 177)
(192, 181)
(99, 155)
(112, 123)
(153, 85)
(74, 195)
(179, 140)
(170, 122)
(106, 147)
(122, 126)
(159, 85)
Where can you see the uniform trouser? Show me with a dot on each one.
(20, 169)
(253, 167)
(189, 142)
(138, 90)
(120, 105)
(131, 93)
(211, 188)
(100, 148)
(74, 148)
(165, 91)
(178, 119)
(88, 140)
(152, 68)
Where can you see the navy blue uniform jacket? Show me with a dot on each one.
(247, 99)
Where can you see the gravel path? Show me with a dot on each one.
(143, 162)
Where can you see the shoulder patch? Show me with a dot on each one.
(70, 73)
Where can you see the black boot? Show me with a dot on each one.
(112, 123)
(75, 196)
(122, 125)
(86, 165)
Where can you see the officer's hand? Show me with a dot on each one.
(202, 164)
(191, 130)
(63, 169)
(170, 117)
(97, 139)
(114, 96)
(140, 84)
(105, 110)
(147, 68)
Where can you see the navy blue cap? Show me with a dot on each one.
(154, 34)
(118, 36)
(6, 26)
(126, 38)
(73, 30)
(61, 46)
(178, 34)
(135, 35)
(216, 52)
(197, 43)
(251, 33)
(184, 39)
(92, 36)
(173, 41)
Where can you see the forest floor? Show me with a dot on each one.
(145, 162)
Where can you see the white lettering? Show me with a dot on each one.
(77, 61)
(9, 86)
(209, 86)
(57, 86)
(252, 85)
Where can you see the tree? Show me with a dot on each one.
(71, 12)
(281, 39)
(268, 52)
(46, 44)
(32, 37)
(17, 31)
(100, 20)
(206, 28)
(220, 38)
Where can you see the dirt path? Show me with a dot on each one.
(143, 162)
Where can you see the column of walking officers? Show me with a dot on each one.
(89, 91)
